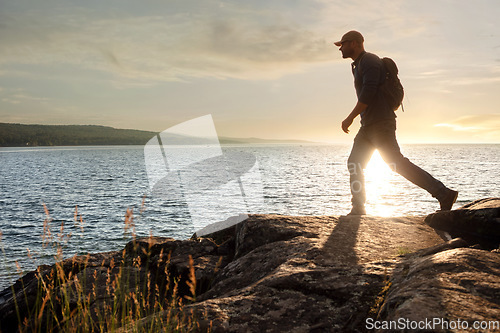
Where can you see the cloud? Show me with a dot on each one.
(487, 79)
(21, 97)
(165, 46)
(18, 96)
(487, 124)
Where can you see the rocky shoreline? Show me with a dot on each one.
(275, 273)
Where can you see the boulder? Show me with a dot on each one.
(477, 222)
(448, 288)
(305, 273)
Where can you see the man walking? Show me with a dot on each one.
(378, 129)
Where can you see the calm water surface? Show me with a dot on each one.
(103, 182)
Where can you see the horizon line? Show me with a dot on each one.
(289, 140)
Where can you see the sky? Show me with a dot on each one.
(264, 69)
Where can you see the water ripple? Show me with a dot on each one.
(106, 181)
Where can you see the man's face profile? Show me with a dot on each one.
(347, 49)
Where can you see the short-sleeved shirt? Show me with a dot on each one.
(369, 74)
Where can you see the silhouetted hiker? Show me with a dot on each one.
(378, 129)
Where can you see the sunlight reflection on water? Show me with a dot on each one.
(380, 187)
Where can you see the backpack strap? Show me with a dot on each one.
(358, 66)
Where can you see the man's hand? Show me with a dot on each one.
(358, 109)
(346, 123)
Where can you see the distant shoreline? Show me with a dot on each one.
(22, 135)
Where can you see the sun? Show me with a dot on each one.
(379, 187)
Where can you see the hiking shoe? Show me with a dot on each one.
(448, 199)
(357, 211)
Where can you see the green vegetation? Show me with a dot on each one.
(404, 250)
(380, 298)
(18, 135)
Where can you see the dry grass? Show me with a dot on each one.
(122, 294)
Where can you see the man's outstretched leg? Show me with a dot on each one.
(391, 153)
(423, 179)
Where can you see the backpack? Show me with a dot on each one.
(392, 87)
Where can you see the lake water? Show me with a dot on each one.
(98, 184)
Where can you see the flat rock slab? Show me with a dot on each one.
(308, 273)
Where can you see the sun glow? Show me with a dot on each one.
(379, 187)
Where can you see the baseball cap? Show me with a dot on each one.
(351, 35)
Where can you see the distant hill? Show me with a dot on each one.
(19, 135)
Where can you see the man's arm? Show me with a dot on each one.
(360, 107)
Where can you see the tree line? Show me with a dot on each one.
(19, 135)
